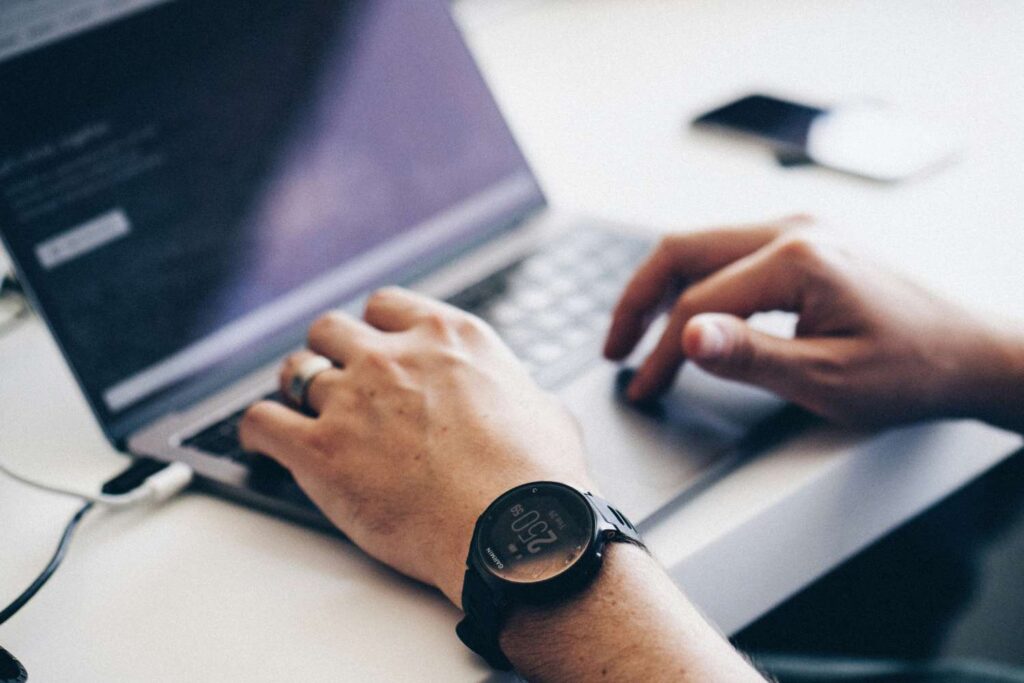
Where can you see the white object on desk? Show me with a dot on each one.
(878, 143)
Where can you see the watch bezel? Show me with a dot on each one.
(574, 576)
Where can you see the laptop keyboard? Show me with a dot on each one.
(552, 308)
(221, 438)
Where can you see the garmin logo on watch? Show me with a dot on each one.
(494, 558)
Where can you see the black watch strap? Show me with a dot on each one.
(480, 628)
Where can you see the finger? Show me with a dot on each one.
(318, 389)
(728, 347)
(340, 337)
(657, 279)
(675, 261)
(762, 281)
(277, 431)
(394, 309)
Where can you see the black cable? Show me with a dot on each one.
(11, 289)
(9, 284)
(62, 548)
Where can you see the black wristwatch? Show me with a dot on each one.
(535, 544)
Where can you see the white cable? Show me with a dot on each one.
(157, 488)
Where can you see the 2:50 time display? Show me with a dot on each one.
(531, 530)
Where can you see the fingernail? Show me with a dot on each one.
(712, 340)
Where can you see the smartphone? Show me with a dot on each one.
(783, 123)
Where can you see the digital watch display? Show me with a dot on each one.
(533, 534)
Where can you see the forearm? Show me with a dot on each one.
(632, 623)
(997, 393)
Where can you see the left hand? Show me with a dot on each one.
(871, 349)
(427, 418)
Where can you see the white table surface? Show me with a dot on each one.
(597, 92)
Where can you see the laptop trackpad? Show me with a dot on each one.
(643, 458)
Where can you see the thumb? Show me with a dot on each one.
(727, 346)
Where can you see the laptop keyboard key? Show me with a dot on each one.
(558, 300)
(221, 438)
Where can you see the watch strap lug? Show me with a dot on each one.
(622, 529)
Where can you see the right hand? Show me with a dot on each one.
(871, 348)
(425, 419)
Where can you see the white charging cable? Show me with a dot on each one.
(157, 488)
(163, 482)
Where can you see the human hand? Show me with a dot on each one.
(426, 420)
(871, 348)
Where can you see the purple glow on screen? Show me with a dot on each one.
(401, 127)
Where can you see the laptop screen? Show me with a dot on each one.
(185, 186)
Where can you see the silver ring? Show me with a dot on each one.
(298, 386)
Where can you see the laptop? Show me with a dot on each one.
(185, 185)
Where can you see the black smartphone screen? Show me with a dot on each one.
(779, 121)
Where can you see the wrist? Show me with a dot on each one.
(994, 392)
(631, 623)
(451, 547)
(451, 563)
(622, 563)
(533, 635)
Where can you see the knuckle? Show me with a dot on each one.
(664, 244)
(744, 358)
(319, 440)
(454, 358)
(438, 324)
(685, 302)
(831, 372)
(823, 379)
(798, 246)
(801, 219)
(257, 415)
(630, 299)
(624, 305)
(284, 373)
(324, 326)
(470, 327)
(662, 252)
(292, 360)
(378, 359)
(381, 297)
(376, 300)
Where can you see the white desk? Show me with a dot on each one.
(597, 91)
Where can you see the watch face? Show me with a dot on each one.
(535, 532)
